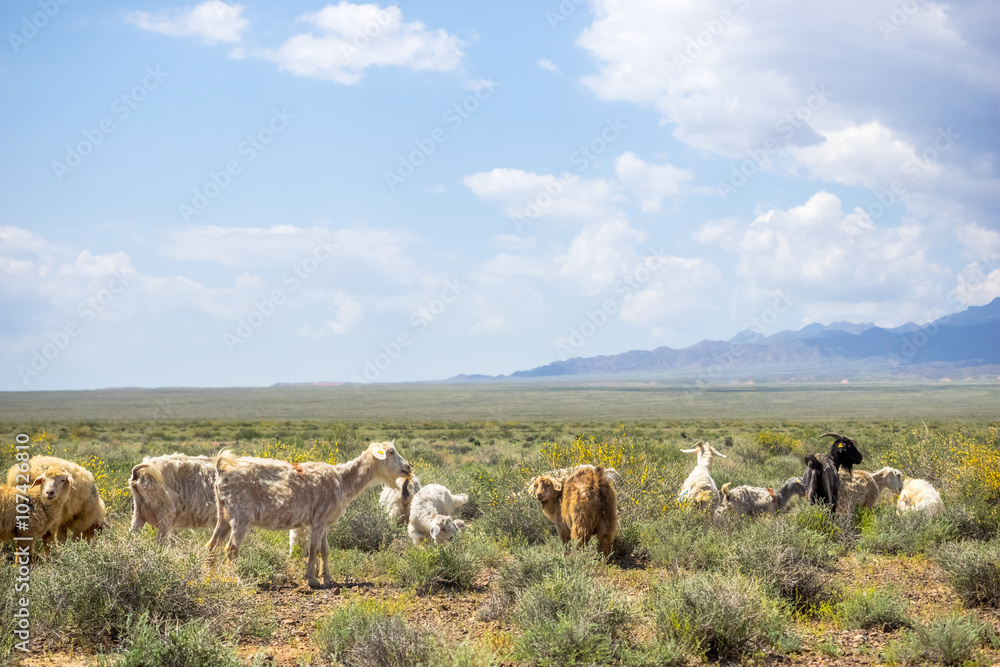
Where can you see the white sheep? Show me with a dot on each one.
(277, 495)
(918, 494)
(699, 487)
(83, 512)
(41, 505)
(431, 514)
(862, 488)
(754, 500)
(173, 491)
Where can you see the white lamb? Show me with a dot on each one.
(276, 495)
(918, 494)
(430, 514)
(699, 487)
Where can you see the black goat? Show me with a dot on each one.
(821, 478)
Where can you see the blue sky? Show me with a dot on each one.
(240, 194)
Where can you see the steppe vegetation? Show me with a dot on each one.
(801, 587)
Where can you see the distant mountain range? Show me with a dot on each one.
(965, 344)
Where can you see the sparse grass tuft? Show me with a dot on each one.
(954, 640)
(973, 570)
(873, 608)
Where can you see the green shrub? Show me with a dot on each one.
(973, 570)
(527, 567)
(570, 618)
(365, 526)
(719, 615)
(92, 590)
(788, 558)
(263, 559)
(191, 644)
(950, 641)
(433, 567)
(873, 608)
(368, 634)
(886, 531)
(685, 538)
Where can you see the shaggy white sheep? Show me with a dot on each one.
(83, 512)
(862, 488)
(918, 494)
(753, 500)
(36, 511)
(431, 514)
(280, 496)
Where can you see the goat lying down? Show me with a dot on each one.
(754, 500)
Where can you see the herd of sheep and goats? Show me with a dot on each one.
(47, 497)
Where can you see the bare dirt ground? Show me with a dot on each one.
(297, 609)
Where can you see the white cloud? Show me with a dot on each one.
(651, 183)
(547, 64)
(600, 255)
(348, 312)
(677, 287)
(827, 255)
(523, 194)
(284, 245)
(212, 21)
(352, 38)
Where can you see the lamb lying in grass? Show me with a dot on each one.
(754, 500)
(918, 494)
(431, 514)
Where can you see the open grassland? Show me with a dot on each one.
(570, 401)
(681, 588)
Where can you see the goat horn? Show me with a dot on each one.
(833, 435)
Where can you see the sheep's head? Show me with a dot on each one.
(546, 489)
(55, 483)
(443, 529)
(844, 451)
(389, 464)
(705, 453)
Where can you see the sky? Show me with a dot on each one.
(238, 194)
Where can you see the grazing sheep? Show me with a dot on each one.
(862, 488)
(280, 496)
(918, 494)
(431, 514)
(45, 499)
(580, 506)
(821, 477)
(754, 500)
(83, 512)
(174, 491)
(699, 487)
(397, 499)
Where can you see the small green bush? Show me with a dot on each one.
(263, 559)
(92, 590)
(950, 641)
(433, 567)
(365, 526)
(719, 615)
(191, 644)
(527, 567)
(570, 618)
(973, 570)
(886, 531)
(367, 634)
(685, 539)
(791, 560)
(873, 608)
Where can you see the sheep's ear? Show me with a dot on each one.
(557, 485)
(69, 478)
(689, 451)
(38, 481)
(435, 531)
(379, 453)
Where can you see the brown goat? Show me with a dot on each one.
(580, 506)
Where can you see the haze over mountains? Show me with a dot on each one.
(961, 345)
